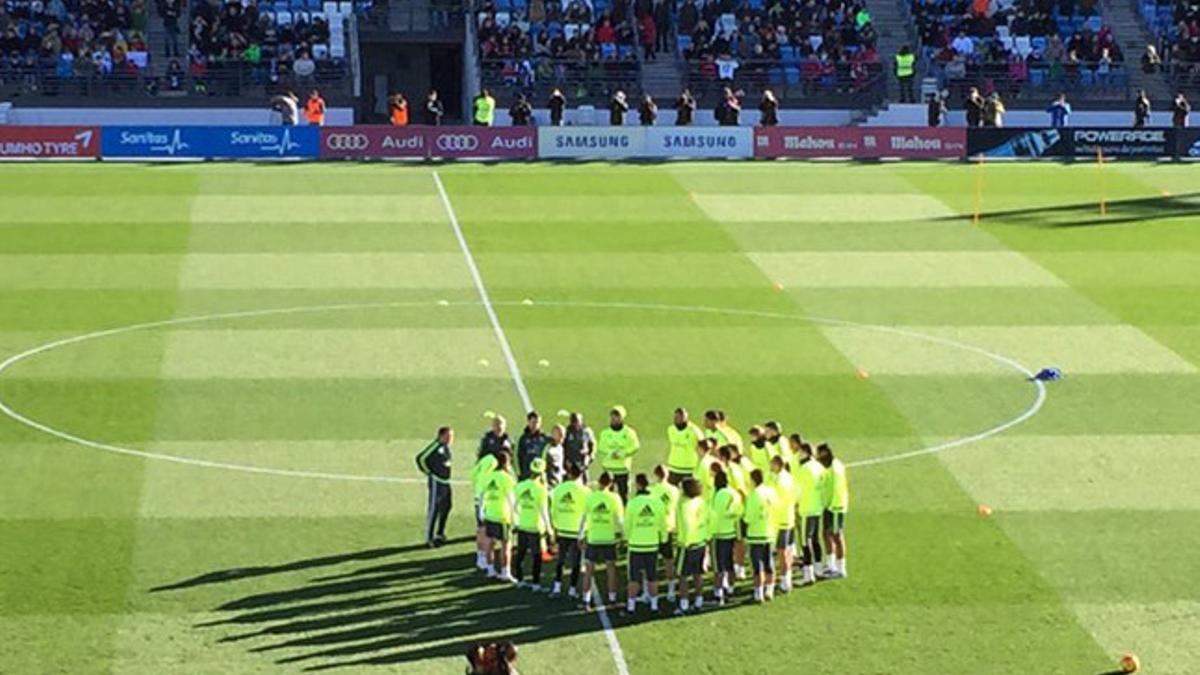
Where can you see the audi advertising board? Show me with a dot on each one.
(481, 142)
(591, 142)
(373, 143)
(49, 142)
(187, 142)
(699, 142)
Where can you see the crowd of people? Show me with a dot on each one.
(1011, 43)
(71, 40)
(831, 44)
(1177, 23)
(232, 37)
(716, 508)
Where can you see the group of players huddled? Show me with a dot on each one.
(714, 503)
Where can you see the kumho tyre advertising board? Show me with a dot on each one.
(18, 142)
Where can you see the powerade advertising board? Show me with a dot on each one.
(1076, 142)
(1131, 143)
(1019, 143)
(1187, 142)
(189, 142)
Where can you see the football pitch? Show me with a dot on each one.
(216, 378)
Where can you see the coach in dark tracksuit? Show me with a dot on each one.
(531, 445)
(434, 462)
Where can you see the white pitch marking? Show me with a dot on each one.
(614, 645)
(11, 361)
(505, 348)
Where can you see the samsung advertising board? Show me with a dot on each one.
(591, 142)
(711, 142)
(190, 142)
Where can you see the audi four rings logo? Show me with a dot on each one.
(459, 142)
(347, 142)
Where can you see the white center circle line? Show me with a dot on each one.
(9, 411)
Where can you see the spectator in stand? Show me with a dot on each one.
(974, 108)
(649, 37)
(314, 109)
(993, 111)
(168, 10)
(484, 107)
(288, 107)
(398, 107)
(647, 111)
(768, 108)
(936, 110)
(431, 116)
(1151, 61)
(1141, 110)
(1060, 111)
(685, 108)
(662, 24)
(304, 67)
(521, 112)
(617, 107)
(905, 74)
(729, 109)
(1180, 109)
(557, 105)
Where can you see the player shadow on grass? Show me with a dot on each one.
(386, 606)
(1117, 212)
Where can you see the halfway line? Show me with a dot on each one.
(614, 645)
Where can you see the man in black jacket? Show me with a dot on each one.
(521, 112)
(1180, 109)
(557, 105)
(974, 108)
(617, 109)
(531, 445)
(685, 108)
(434, 462)
(432, 114)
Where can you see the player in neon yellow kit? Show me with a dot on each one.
(758, 450)
(616, 445)
(692, 521)
(603, 517)
(533, 522)
(760, 535)
(780, 479)
(498, 506)
(484, 466)
(682, 437)
(725, 518)
(837, 503)
(810, 478)
(645, 532)
(668, 494)
(566, 515)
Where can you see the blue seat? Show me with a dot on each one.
(775, 76)
(1037, 77)
(792, 74)
(1086, 77)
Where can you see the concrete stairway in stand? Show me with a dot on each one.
(895, 30)
(1133, 35)
(662, 78)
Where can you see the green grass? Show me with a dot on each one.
(119, 564)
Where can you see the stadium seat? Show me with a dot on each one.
(503, 19)
(1023, 45)
(283, 18)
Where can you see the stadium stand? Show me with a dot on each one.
(1021, 48)
(1176, 23)
(586, 48)
(86, 48)
(811, 52)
